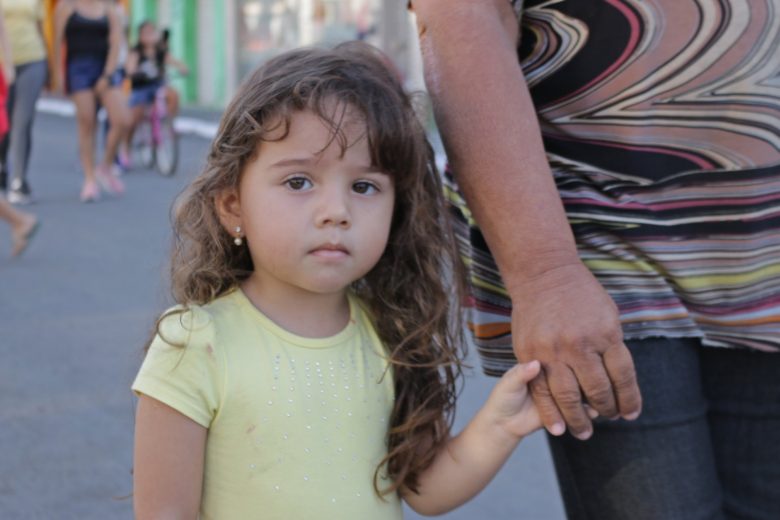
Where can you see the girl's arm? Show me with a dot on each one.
(468, 462)
(561, 315)
(61, 14)
(8, 59)
(177, 64)
(168, 463)
(131, 65)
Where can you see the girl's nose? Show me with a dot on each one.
(334, 211)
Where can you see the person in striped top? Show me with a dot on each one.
(615, 176)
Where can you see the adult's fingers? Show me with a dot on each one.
(545, 405)
(620, 367)
(566, 392)
(597, 386)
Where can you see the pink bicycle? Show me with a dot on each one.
(155, 141)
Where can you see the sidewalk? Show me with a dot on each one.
(196, 121)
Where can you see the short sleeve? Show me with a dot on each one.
(184, 367)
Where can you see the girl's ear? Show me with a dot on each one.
(228, 205)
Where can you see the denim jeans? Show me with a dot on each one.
(707, 445)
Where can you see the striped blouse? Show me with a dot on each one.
(661, 121)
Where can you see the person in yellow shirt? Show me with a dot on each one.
(23, 225)
(311, 368)
(23, 19)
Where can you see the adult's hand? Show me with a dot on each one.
(565, 319)
(101, 85)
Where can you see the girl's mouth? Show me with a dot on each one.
(330, 251)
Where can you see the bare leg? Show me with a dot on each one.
(120, 120)
(137, 116)
(22, 225)
(172, 102)
(85, 120)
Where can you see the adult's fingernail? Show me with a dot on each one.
(631, 416)
(557, 429)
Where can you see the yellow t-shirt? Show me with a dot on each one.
(296, 425)
(21, 22)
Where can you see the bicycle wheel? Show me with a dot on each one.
(167, 149)
(143, 144)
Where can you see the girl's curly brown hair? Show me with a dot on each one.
(407, 292)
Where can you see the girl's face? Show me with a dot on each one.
(148, 35)
(314, 219)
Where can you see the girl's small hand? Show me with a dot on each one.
(510, 404)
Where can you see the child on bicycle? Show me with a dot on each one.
(146, 65)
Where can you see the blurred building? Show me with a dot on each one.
(222, 40)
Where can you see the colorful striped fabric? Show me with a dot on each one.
(661, 120)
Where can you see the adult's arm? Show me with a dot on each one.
(61, 14)
(561, 315)
(114, 43)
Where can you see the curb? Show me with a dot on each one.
(183, 124)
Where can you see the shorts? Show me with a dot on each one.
(144, 95)
(84, 72)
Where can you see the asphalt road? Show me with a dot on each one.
(74, 314)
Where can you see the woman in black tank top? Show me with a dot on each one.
(92, 35)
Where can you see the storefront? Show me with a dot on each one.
(265, 28)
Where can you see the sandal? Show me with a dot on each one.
(89, 192)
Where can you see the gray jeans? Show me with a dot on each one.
(24, 92)
(707, 445)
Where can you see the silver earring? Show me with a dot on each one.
(238, 240)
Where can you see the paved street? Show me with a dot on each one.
(74, 314)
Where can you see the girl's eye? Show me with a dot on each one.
(298, 183)
(364, 188)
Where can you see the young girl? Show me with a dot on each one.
(311, 369)
(146, 64)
